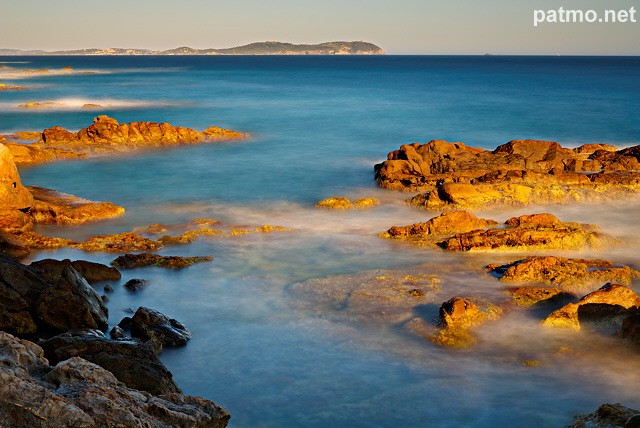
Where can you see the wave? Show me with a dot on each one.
(72, 104)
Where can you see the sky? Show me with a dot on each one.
(421, 27)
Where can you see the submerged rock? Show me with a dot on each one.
(528, 296)
(335, 203)
(135, 284)
(129, 261)
(564, 272)
(78, 393)
(5, 87)
(53, 207)
(607, 306)
(457, 316)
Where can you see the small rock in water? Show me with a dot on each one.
(135, 284)
(108, 288)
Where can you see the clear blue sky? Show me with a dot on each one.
(398, 26)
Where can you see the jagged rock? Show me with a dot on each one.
(70, 303)
(149, 324)
(131, 362)
(77, 393)
(121, 242)
(213, 133)
(37, 303)
(15, 199)
(457, 316)
(630, 328)
(606, 306)
(92, 272)
(129, 261)
(447, 223)
(51, 206)
(520, 172)
(563, 272)
(606, 416)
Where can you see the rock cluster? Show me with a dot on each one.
(129, 261)
(461, 231)
(520, 172)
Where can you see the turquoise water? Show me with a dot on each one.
(318, 126)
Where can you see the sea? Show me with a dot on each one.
(274, 356)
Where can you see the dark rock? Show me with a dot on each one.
(606, 416)
(135, 284)
(78, 393)
(630, 328)
(108, 289)
(129, 261)
(117, 333)
(125, 323)
(132, 363)
(148, 324)
(92, 272)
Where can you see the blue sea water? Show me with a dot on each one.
(318, 126)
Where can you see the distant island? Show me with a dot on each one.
(259, 48)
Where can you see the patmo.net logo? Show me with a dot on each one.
(562, 15)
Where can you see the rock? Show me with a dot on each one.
(606, 416)
(108, 289)
(457, 316)
(121, 242)
(366, 202)
(135, 284)
(630, 328)
(336, 203)
(13, 246)
(117, 333)
(70, 303)
(106, 135)
(53, 207)
(4, 87)
(535, 232)
(563, 272)
(213, 133)
(15, 199)
(42, 105)
(91, 106)
(38, 301)
(129, 261)
(528, 296)
(28, 135)
(447, 223)
(380, 294)
(149, 324)
(78, 393)
(92, 272)
(32, 154)
(520, 172)
(607, 306)
(130, 361)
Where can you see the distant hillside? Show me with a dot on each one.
(259, 48)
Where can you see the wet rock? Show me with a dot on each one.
(92, 272)
(38, 302)
(129, 261)
(528, 296)
(457, 316)
(149, 324)
(630, 328)
(117, 333)
(4, 87)
(70, 303)
(41, 105)
(607, 306)
(606, 416)
(447, 223)
(108, 289)
(135, 284)
(32, 154)
(188, 237)
(53, 207)
(78, 393)
(131, 362)
(13, 246)
(380, 294)
(564, 272)
(335, 203)
(121, 242)
(106, 135)
(15, 199)
(25, 135)
(520, 172)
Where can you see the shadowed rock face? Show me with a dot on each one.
(15, 199)
(78, 393)
(520, 172)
